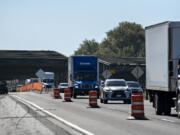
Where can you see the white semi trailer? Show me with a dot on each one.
(163, 66)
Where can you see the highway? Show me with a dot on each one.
(35, 113)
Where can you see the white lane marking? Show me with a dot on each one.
(168, 120)
(77, 128)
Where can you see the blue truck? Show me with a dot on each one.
(83, 74)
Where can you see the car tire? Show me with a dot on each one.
(124, 101)
(105, 101)
(129, 101)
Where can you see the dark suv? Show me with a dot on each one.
(3, 87)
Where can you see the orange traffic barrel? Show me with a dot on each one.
(93, 99)
(67, 94)
(137, 106)
(56, 93)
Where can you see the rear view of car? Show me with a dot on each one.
(115, 89)
(63, 86)
(3, 87)
(134, 86)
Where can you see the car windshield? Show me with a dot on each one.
(48, 80)
(86, 76)
(115, 83)
(64, 84)
(133, 84)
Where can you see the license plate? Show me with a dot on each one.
(118, 95)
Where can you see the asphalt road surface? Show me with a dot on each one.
(109, 119)
(19, 119)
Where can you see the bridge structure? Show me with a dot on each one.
(23, 64)
(18, 65)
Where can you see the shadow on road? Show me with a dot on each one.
(173, 115)
(3, 96)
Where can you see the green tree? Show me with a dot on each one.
(126, 40)
(88, 47)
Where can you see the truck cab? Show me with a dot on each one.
(83, 74)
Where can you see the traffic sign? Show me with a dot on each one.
(137, 72)
(106, 74)
(112, 71)
(40, 73)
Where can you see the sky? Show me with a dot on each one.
(62, 25)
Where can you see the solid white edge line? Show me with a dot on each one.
(77, 128)
(168, 120)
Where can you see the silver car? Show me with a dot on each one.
(115, 89)
(62, 86)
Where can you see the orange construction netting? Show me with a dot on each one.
(32, 86)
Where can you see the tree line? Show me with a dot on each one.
(125, 40)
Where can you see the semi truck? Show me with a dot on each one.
(48, 80)
(83, 74)
(162, 43)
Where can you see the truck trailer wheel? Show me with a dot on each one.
(167, 105)
(167, 111)
(158, 104)
(101, 100)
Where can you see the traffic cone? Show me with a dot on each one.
(56, 93)
(137, 107)
(67, 95)
(93, 99)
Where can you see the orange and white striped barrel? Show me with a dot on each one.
(137, 105)
(56, 93)
(67, 94)
(93, 99)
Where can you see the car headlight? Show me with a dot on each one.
(129, 89)
(76, 86)
(107, 90)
